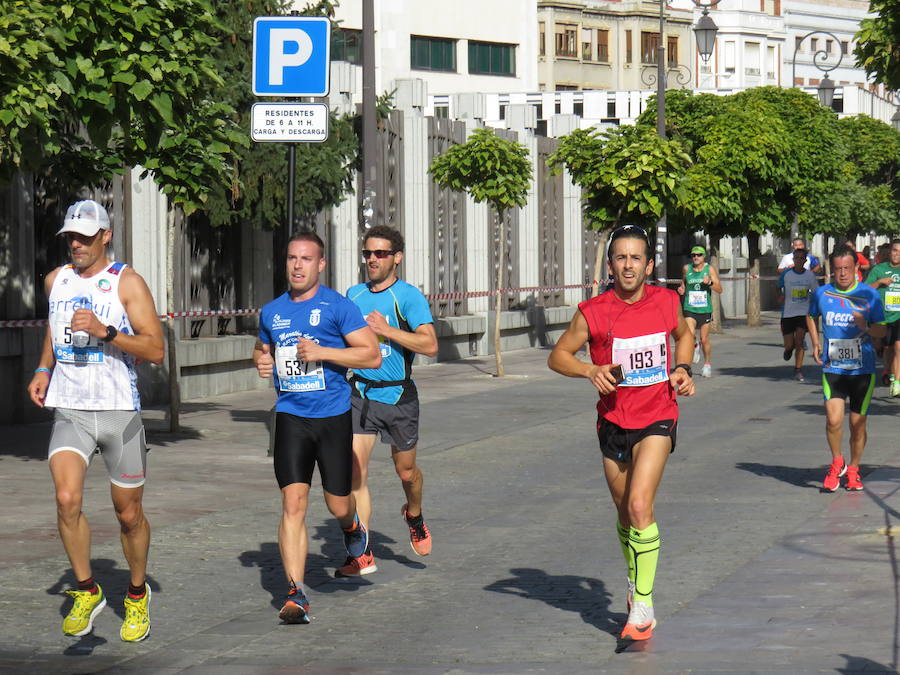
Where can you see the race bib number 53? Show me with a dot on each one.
(297, 375)
(644, 359)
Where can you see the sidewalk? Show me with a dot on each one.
(760, 571)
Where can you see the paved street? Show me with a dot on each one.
(760, 570)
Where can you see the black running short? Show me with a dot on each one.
(701, 319)
(858, 388)
(893, 333)
(617, 443)
(789, 324)
(303, 442)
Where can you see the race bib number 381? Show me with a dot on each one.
(644, 359)
(297, 375)
(845, 354)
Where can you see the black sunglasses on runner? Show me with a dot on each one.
(380, 253)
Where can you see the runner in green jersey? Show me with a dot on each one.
(699, 279)
(886, 278)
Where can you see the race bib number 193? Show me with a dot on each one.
(644, 359)
(297, 375)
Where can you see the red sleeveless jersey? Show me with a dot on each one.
(637, 337)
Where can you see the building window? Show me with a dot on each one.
(542, 40)
(844, 46)
(492, 58)
(813, 45)
(672, 50)
(772, 7)
(628, 54)
(346, 45)
(602, 45)
(828, 45)
(751, 59)
(565, 40)
(587, 44)
(729, 57)
(798, 44)
(427, 53)
(770, 63)
(442, 112)
(649, 47)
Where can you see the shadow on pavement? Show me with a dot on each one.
(804, 477)
(113, 579)
(876, 407)
(26, 441)
(568, 592)
(85, 645)
(774, 373)
(860, 664)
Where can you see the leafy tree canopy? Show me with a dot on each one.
(878, 43)
(90, 87)
(491, 169)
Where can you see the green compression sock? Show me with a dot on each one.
(622, 533)
(644, 545)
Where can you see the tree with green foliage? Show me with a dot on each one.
(491, 170)
(878, 43)
(627, 174)
(90, 87)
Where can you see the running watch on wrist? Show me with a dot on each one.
(111, 333)
(686, 367)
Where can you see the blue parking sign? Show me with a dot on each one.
(291, 55)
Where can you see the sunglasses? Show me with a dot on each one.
(380, 253)
(696, 255)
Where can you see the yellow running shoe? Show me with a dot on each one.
(80, 620)
(137, 618)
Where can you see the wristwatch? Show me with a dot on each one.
(686, 368)
(111, 333)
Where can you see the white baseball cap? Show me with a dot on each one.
(86, 217)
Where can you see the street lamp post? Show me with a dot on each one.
(826, 86)
(706, 40)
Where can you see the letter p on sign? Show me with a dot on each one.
(291, 55)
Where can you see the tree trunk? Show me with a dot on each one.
(753, 297)
(501, 263)
(599, 259)
(715, 325)
(171, 331)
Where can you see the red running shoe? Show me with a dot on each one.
(853, 481)
(419, 535)
(833, 478)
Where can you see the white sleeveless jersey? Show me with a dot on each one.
(98, 376)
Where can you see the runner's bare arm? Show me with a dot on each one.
(681, 286)
(814, 339)
(37, 388)
(362, 350)
(562, 359)
(422, 341)
(684, 353)
(147, 341)
(262, 358)
(716, 284)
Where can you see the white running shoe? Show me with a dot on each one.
(640, 624)
(706, 371)
(696, 352)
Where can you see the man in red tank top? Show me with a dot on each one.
(637, 374)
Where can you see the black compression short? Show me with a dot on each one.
(303, 442)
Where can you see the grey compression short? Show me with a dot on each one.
(118, 434)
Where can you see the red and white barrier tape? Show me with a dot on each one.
(36, 323)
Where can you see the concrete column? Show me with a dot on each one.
(478, 241)
(523, 119)
(573, 220)
(344, 245)
(148, 234)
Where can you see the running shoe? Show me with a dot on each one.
(354, 567)
(640, 622)
(706, 371)
(853, 481)
(295, 608)
(787, 354)
(696, 352)
(895, 388)
(798, 375)
(833, 478)
(356, 539)
(629, 595)
(887, 379)
(136, 625)
(419, 534)
(80, 620)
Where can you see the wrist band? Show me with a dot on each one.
(43, 370)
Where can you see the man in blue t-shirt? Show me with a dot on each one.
(308, 338)
(384, 399)
(851, 312)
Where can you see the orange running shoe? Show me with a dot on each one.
(640, 622)
(833, 478)
(853, 481)
(354, 567)
(419, 535)
(296, 608)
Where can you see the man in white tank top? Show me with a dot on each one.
(101, 319)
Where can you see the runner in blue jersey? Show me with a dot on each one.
(851, 312)
(384, 399)
(308, 338)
